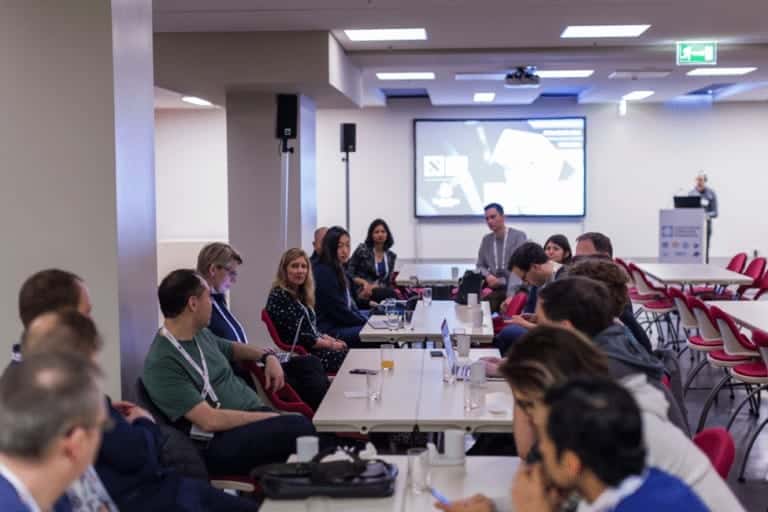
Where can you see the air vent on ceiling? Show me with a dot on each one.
(639, 74)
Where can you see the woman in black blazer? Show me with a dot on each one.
(373, 263)
(337, 312)
(291, 306)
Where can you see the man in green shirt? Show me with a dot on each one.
(188, 375)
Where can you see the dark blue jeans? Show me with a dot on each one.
(238, 451)
(509, 335)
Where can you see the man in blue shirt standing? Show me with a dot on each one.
(708, 202)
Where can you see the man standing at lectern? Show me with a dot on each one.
(708, 202)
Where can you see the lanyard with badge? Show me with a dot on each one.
(207, 391)
(496, 250)
(231, 327)
(310, 319)
(386, 265)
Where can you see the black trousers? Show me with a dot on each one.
(307, 377)
(709, 238)
(241, 449)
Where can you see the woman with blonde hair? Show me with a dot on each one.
(219, 264)
(291, 306)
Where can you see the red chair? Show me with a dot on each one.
(645, 291)
(737, 349)
(706, 341)
(760, 287)
(717, 444)
(755, 271)
(735, 265)
(753, 373)
(286, 399)
(515, 307)
(298, 349)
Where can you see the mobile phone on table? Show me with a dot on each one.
(436, 353)
(362, 371)
(439, 497)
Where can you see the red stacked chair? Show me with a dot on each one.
(298, 349)
(754, 373)
(754, 271)
(735, 265)
(655, 302)
(707, 340)
(687, 319)
(737, 350)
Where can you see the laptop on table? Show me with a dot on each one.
(460, 371)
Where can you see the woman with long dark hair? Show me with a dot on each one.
(337, 312)
(372, 264)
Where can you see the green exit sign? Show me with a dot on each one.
(696, 53)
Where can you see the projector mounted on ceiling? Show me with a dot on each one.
(523, 77)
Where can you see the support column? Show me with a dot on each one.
(253, 158)
(77, 165)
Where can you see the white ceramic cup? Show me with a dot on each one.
(306, 448)
(471, 299)
(454, 444)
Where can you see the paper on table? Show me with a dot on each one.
(497, 403)
(355, 394)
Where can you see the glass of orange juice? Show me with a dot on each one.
(387, 357)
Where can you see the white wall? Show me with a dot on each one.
(635, 165)
(191, 168)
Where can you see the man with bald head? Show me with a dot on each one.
(317, 244)
(128, 461)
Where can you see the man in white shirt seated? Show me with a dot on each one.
(51, 418)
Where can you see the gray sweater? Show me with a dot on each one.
(493, 257)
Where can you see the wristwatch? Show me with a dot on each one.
(263, 359)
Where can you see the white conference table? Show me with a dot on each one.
(413, 394)
(692, 273)
(749, 313)
(491, 476)
(427, 321)
(441, 406)
(431, 274)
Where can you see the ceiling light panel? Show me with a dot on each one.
(637, 95)
(565, 73)
(720, 71)
(595, 31)
(407, 75)
(484, 97)
(387, 34)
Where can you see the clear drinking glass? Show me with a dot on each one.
(426, 296)
(418, 470)
(373, 386)
(393, 316)
(387, 357)
(408, 319)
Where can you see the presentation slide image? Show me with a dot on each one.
(533, 167)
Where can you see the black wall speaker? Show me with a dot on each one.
(348, 137)
(287, 116)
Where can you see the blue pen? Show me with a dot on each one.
(439, 497)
